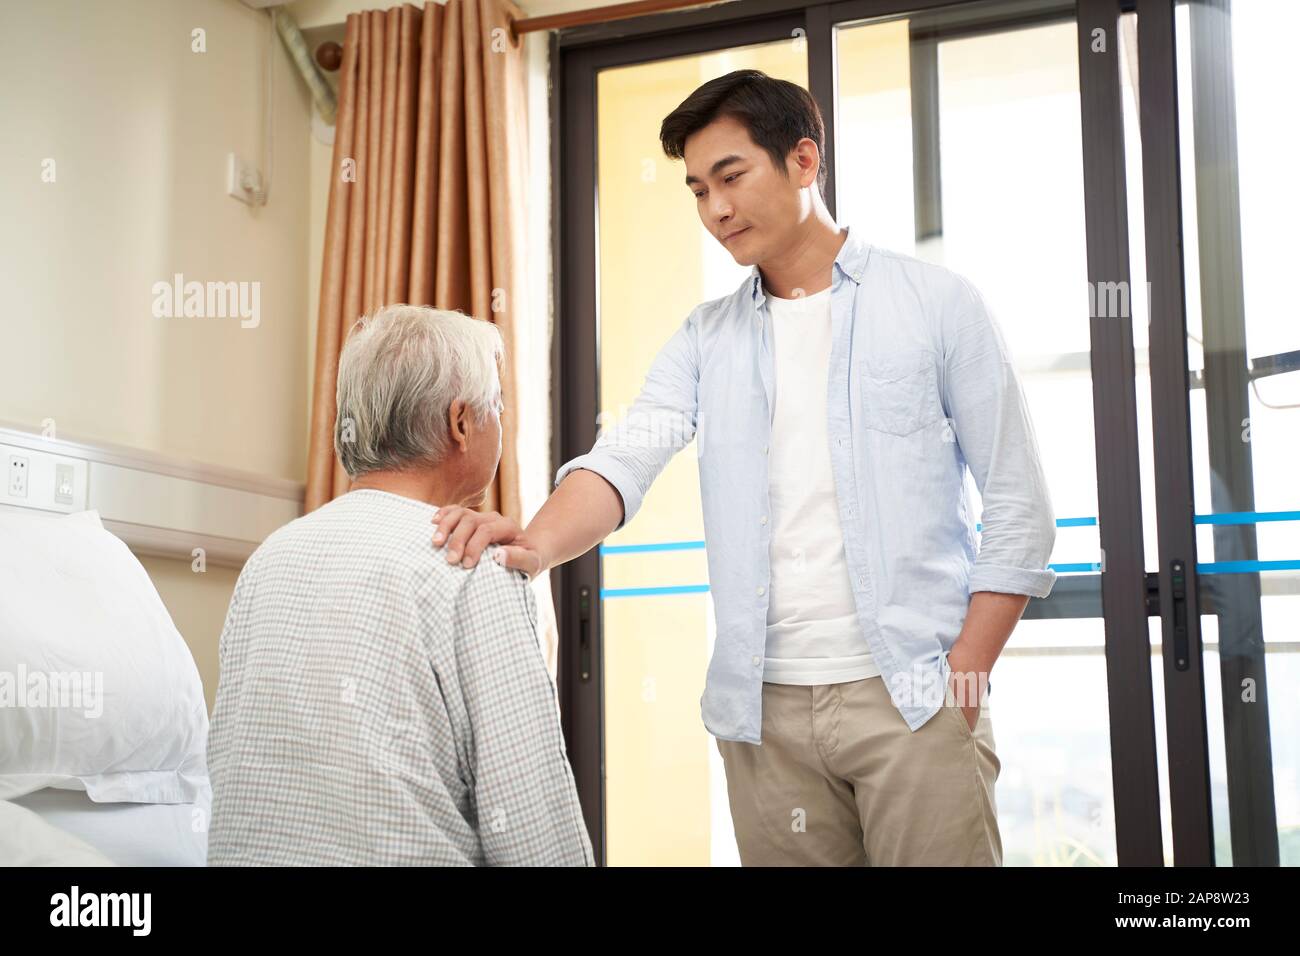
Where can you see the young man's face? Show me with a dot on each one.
(742, 198)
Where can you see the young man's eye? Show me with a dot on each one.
(732, 176)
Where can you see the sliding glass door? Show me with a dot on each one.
(1006, 140)
(960, 142)
(1240, 205)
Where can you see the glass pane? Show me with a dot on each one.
(1237, 82)
(666, 795)
(966, 150)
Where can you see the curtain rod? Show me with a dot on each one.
(618, 11)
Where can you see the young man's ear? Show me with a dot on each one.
(805, 151)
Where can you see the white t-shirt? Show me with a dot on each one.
(813, 635)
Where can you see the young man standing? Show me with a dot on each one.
(837, 399)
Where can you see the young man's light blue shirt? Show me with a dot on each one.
(921, 388)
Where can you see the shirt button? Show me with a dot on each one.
(761, 591)
(757, 660)
(763, 520)
(764, 449)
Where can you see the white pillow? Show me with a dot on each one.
(98, 690)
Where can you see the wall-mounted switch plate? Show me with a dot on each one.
(243, 180)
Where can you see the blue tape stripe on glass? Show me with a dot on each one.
(653, 592)
(1248, 517)
(1084, 567)
(643, 548)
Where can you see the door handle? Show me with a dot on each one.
(1178, 583)
(584, 633)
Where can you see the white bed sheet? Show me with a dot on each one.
(27, 840)
(128, 834)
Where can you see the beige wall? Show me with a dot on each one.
(197, 604)
(139, 127)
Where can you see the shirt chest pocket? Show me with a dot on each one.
(900, 392)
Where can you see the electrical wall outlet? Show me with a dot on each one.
(42, 480)
(18, 470)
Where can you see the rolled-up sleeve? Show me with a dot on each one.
(662, 421)
(990, 419)
(524, 792)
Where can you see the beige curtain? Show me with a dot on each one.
(427, 206)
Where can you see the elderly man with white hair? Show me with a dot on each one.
(377, 704)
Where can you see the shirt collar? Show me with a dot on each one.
(852, 260)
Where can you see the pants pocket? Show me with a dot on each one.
(955, 711)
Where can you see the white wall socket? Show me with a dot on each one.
(18, 470)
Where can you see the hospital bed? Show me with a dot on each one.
(103, 723)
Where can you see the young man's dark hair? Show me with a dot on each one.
(777, 113)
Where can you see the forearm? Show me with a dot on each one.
(990, 620)
(582, 512)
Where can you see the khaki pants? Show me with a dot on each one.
(840, 780)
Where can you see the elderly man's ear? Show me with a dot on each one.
(458, 416)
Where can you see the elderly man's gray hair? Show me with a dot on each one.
(399, 372)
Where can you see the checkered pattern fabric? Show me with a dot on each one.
(380, 706)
